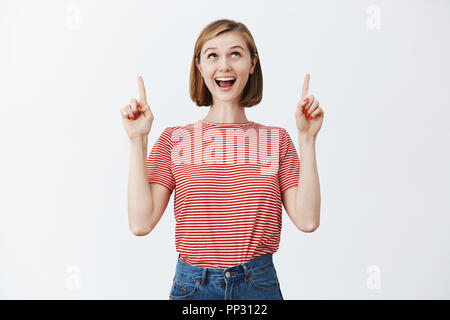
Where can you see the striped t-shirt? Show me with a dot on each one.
(228, 179)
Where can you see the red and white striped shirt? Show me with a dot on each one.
(228, 179)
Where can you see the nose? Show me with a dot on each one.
(224, 64)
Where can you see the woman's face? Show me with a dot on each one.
(226, 56)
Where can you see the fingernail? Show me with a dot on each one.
(306, 99)
(129, 118)
(310, 118)
(304, 110)
(134, 118)
(307, 114)
(139, 108)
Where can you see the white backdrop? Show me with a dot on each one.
(380, 69)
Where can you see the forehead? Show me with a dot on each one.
(225, 40)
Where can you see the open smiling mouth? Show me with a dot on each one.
(225, 85)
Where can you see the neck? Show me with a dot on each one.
(226, 113)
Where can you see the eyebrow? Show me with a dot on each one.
(230, 48)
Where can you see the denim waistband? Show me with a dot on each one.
(237, 272)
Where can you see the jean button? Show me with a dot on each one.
(227, 274)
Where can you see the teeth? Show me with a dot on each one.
(225, 79)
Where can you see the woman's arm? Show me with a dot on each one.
(302, 202)
(140, 202)
(307, 199)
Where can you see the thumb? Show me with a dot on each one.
(147, 111)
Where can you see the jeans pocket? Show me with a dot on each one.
(183, 288)
(266, 279)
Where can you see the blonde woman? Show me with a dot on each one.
(230, 175)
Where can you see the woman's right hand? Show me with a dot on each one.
(137, 116)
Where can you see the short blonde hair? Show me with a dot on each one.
(200, 94)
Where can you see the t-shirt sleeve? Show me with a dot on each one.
(289, 170)
(159, 161)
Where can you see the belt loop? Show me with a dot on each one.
(204, 276)
(245, 271)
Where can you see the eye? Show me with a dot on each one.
(209, 55)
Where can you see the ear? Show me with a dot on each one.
(255, 60)
(198, 65)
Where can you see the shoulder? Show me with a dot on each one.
(171, 134)
(189, 127)
(283, 133)
(169, 131)
(268, 127)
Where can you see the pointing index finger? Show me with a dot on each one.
(142, 94)
(305, 86)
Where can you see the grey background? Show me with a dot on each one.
(379, 68)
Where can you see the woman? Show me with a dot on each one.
(227, 202)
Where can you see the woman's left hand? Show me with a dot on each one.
(309, 116)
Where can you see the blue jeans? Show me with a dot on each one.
(252, 280)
